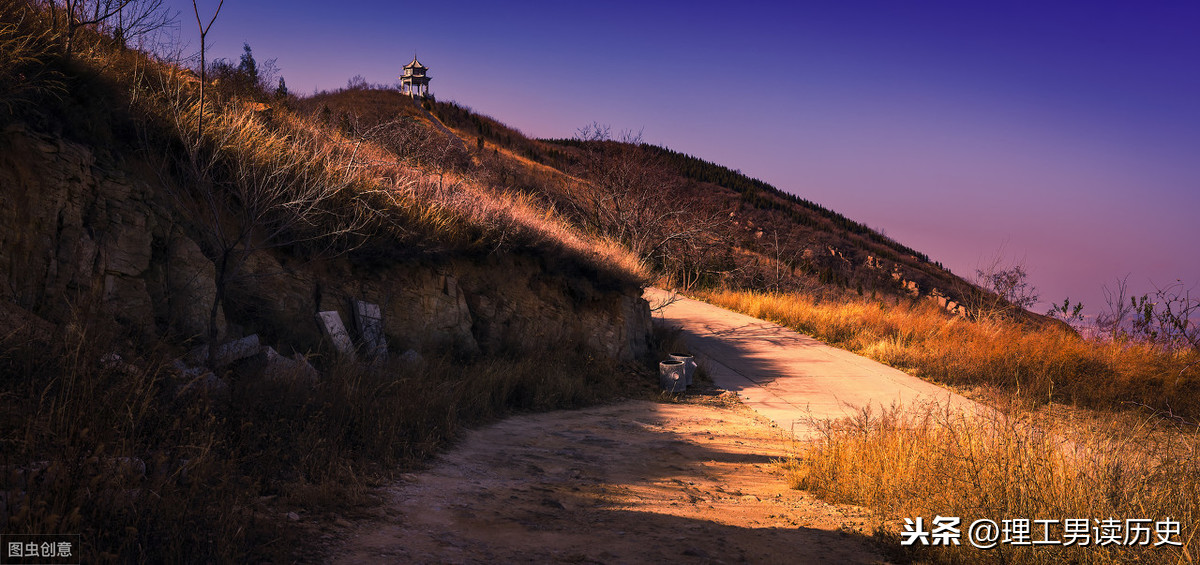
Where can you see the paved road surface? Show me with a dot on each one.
(787, 376)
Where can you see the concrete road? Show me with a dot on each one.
(787, 376)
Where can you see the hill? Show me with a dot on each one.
(696, 223)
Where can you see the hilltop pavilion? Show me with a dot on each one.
(415, 82)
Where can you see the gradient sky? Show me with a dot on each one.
(1066, 133)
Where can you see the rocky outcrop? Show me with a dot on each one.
(74, 236)
(79, 236)
(497, 304)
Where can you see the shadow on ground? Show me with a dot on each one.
(637, 482)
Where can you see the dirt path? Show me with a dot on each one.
(635, 482)
(790, 377)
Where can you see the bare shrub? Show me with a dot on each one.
(1174, 312)
(1005, 287)
(632, 197)
(1166, 317)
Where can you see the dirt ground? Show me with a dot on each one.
(633, 482)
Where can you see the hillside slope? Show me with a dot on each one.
(749, 234)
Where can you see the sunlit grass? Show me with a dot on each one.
(402, 202)
(1018, 463)
(931, 462)
(1040, 364)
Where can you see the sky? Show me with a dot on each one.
(1062, 135)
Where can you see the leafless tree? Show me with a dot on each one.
(137, 18)
(124, 19)
(74, 15)
(632, 197)
(203, 62)
(1175, 314)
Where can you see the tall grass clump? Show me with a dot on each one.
(1038, 363)
(933, 462)
(26, 43)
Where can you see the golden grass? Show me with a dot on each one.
(1019, 464)
(931, 462)
(1038, 364)
(25, 44)
(418, 207)
(402, 203)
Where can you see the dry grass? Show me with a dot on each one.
(1037, 364)
(115, 452)
(25, 44)
(1021, 464)
(403, 204)
(427, 207)
(931, 462)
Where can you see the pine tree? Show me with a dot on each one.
(247, 69)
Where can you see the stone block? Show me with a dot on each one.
(369, 320)
(276, 367)
(192, 381)
(333, 328)
(237, 350)
(227, 353)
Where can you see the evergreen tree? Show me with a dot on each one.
(247, 69)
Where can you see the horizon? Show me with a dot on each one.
(1063, 138)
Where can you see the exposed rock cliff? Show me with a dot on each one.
(96, 236)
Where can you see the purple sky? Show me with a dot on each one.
(1066, 132)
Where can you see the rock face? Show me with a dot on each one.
(78, 236)
(507, 304)
(71, 237)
